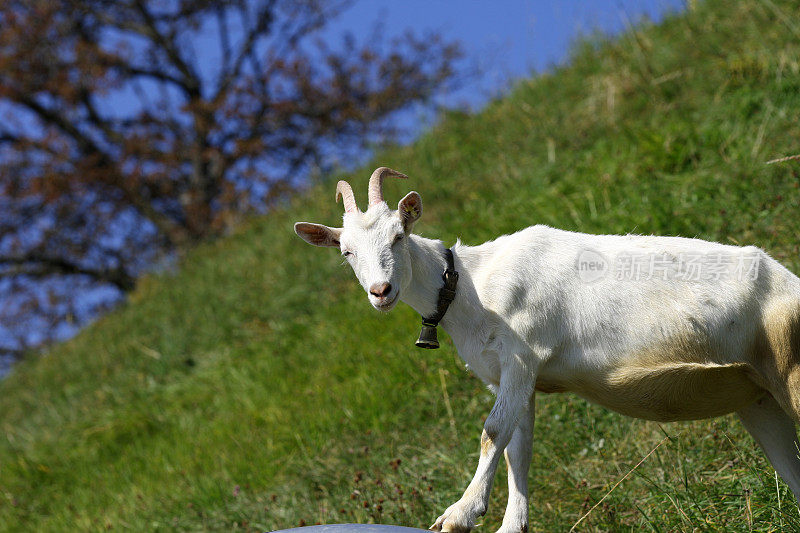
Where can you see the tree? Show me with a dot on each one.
(129, 128)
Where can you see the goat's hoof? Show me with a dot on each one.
(449, 528)
(453, 521)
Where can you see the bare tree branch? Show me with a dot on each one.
(191, 81)
(37, 265)
(260, 29)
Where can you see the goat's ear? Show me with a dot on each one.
(317, 234)
(410, 209)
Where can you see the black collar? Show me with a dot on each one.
(427, 337)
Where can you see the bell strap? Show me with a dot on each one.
(428, 337)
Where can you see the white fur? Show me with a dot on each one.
(657, 346)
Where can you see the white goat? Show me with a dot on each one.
(660, 328)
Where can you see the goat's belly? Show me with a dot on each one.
(669, 392)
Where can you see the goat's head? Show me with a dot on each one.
(375, 242)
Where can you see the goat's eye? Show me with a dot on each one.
(398, 238)
(347, 253)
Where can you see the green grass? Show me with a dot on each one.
(256, 389)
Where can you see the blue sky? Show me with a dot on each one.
(507, 39)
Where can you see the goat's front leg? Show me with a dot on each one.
(513, 396)
(518, 458)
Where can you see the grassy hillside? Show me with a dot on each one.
(257, 389)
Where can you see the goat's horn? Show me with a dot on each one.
(376, 183)
(344, 190)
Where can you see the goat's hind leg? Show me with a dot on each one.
(775, 432)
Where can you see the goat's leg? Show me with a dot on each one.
(516, 388)
(518, 458)
(774, 431)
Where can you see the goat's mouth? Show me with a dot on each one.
(385, 304)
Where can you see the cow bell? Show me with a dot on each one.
(427, 337)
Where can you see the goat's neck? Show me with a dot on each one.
(427, 264)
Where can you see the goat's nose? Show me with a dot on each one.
(380, 290)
